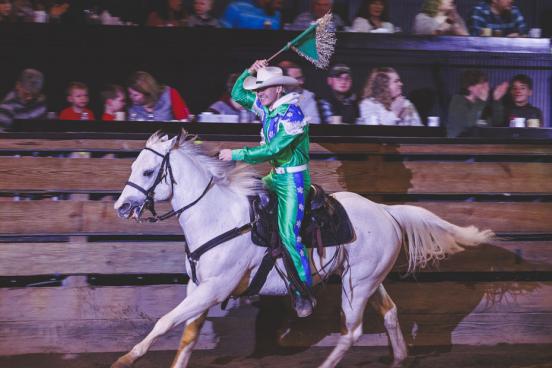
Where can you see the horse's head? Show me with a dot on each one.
(151, 178)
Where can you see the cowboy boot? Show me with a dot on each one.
(302, 299)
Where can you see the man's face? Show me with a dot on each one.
(520, 93)
(202, 7)
(268, 95)
(502, 5)
(117, 103)
(78, 97)
(136, 97)
(480, 90)
(297, 74)
(341, 83)
(395, 85)
(24, 95)
(321, 7)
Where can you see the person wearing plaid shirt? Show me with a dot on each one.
(500, 16)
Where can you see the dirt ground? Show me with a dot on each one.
(502, 356)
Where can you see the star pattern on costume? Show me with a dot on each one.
(301, 207)
(298, 223)
(299, 239)
(300, 190)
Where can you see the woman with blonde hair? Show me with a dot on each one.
(154, 101)
(383, 102)
(439, 17)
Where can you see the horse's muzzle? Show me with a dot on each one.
(131, 209)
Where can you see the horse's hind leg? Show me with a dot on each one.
(382, 303)
(188, 341)
(353, 303)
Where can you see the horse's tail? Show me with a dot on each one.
(427, 237)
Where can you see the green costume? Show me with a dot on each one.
(285, 143)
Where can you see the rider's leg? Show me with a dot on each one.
(292, 190)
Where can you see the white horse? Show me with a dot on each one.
(227, 270)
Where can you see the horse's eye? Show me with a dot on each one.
(148, 173)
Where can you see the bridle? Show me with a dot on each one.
(166, 173)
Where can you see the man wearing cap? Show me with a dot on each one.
(26, 100)
(285, 144)
(340, 105)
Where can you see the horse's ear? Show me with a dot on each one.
(167, 144)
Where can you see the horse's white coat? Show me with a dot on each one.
(380, 232)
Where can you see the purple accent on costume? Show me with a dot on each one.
(300, 191)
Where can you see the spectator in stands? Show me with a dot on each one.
(372, 18)
(307, 99)
(7, 12)
(340, 105)
(521, 89)
(252, 14)
(114, 100)
(439, 17)
(500, 17)
(153, 101)
(468, 108)
(77, 96)
(383, 101)
(319, 8)
(227, 106)
(25, 101)
(170, 13)
(202, 15)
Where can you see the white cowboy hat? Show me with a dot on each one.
(267, 77)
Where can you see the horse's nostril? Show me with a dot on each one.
(125, 207)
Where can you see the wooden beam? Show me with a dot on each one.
(115, 318)
(373, 175)
(93, 217)
(129, 145)
(26, 259)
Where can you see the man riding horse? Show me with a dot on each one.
(285, 144)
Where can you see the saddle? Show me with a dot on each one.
(325, 223)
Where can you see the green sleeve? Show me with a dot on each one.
(266, 151)
(242, 96)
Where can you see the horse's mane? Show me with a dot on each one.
(241, 179)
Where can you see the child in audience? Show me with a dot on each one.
(77, 96)
(201, 16)
(518, 106)
(114, 99)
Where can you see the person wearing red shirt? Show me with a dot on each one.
(114, 99)
(77, 96)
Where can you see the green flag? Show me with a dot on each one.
(316, 43)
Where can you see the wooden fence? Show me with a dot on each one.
(497, 293)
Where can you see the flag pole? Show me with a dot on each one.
(295, 40)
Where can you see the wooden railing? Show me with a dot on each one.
(497, 293)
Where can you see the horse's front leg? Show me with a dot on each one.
(208, 293)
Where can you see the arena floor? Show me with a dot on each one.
(502, 356)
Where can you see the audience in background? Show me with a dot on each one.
(201, 16)
(252, 14)
(383, 101)
(153, 101)
(114, 101)
(467, 109)
(307, 99)
(340, 105)
(372, 18)
(77, 96)
(439, 17)
(499, 18)
(170, 13)
(318, 8)
(25, 101)
(227, 106)
(518, 106)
